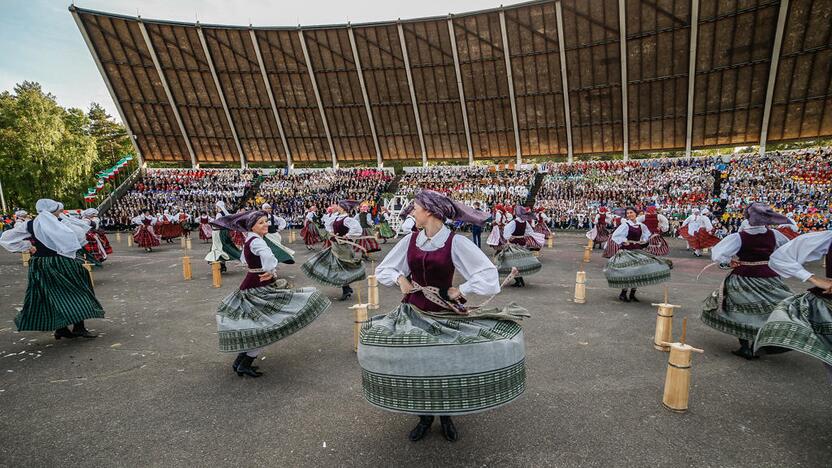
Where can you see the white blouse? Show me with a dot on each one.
(788, 260)
(508, 230)
(731, 244)
(664, 224)
(351, 223)
(619, 236)
(261, 249)
(480, 274)
(16, 240)
(408, 224)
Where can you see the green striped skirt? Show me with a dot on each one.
(802, 322)
(338, 265)
(415, 363)
(742, 304)
(636, 268)
(385, 231)
(513, 255)
(59, 294)
(252, 318)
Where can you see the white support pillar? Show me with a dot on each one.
(510, 78)
(317, 97)
(221, 94)
(461, 91)
(109, 85)
(165, 86)
(364, 93)
(772, 74)
(271, 98)
(406, 59)
(564, 81)
(622, 29)
(694, 34)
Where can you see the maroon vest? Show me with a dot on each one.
(429, 269)
(829, 262)
(146, 222)
(651, 220)
(338, 227)
(756, 248)
(252, 280)
(633, 235)
(602, 219)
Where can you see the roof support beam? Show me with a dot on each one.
(622, 30)
(364, 93)
(510, 78)
(100, 67)
(694, 34)
(461, 91)
(772, 74)
(167, 91)
(317, 97)
(271, 98)
(222, 95)
(564, 81)
(406, 59)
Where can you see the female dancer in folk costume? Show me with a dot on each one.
(184, 221)
(145, 235)
(697, 231)
(630, 267)
(204, 227)
(541, 223)
(339, 264)
(310, 230)
(237, 237)
(802, 322)
(368, 237)
(749, 293)
(59, 292)
(522, 239)
(167, 227)
(789, 227)
(384, 230)
(264, 309)
(273, 238)
(222, 247)
(657, 223)
(599, 233)
(97, 245)
(498, 222)
(431, 341)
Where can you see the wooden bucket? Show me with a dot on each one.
(677, 380)
(580, 287)
(664, 326)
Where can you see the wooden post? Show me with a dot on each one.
(188, 243)
(587, 254)
(372, 292)
(186, 268)
(129, 240)
(580, 287)
(550, 242)
(183, 242)
(677, 380)
(118, 236)
(88, 267)
(360, 318)
(216, 276)
(25, 256)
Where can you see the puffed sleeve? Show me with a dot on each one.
(328, 224)
(508, 229)
(645, 232)
(354, 226)
(619, 236)
(480, 274)
(727, 248)
(664, 224)
(395, 263)
(16, 240)
(259, 247)
(788, 260)
(408, 224)
(780, 238)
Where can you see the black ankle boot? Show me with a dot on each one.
(522, 282)
(223, 268)
(633, 295)
(746, 351)
(238, 360)
(245, 367)
(623, 296)
(516, 282)
(63, 333)
(418, 432)
(79, 329)
(346, 293)
(448, 429)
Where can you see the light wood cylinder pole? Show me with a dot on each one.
(360, 317)
(186, 268)
(25, 256)
(118, 236)
(587, 254)
(129, 240)
(188, 243)
(216, 276)
(580, 287)
(677, 381)
(183, 242)
(372, 292)
(88, 267)
(550, 242)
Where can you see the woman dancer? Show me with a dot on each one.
(145, 236)
(658, 224)
(339, 264)
(384, 230)
(310, 231)
(432, 356)
(204, 227)
(630, 267)
(368, 235)
(749, 293)
(599, 233)
(541, 223)
(522, 240)
(498, 222)
(97, 245)
(59, 292)
(222, 247)
(263, 310)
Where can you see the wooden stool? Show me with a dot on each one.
(580, 287)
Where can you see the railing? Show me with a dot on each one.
(125, 185)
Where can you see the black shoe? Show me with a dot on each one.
(746, 351)
(245, 367)
(517, 283)
(448, 429)
(237, 361)
(633, 296)
(418, 432)
(63, 333)
(346, 293)
(775, 350)
(80, 330)
(223, 268)
(623, 296)
(522, 282)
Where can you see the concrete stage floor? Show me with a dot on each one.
(153, 390)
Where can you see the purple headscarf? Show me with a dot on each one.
(242, 222)
(521, 213)
(760, 214)
(348, 205)
(444, 208)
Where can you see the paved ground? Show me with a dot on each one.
(153, 389)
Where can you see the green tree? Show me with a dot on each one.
(111, 139)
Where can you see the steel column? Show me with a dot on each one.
(317, 97)
(772, 74)
(510, 78)
(271, 98)
(694, 33)
(406, 59)
(364, 93)
(461, 91)
(622, 30)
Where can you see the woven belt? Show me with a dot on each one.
(742, 263)
(258, 271)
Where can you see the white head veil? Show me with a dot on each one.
(51, 232)
(221, 206)
(89, 213)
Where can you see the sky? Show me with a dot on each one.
(39, 40)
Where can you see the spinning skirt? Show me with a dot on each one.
(237, 238)
(281, 253)
(252, 318)
(788, 232)
(368, 241)
(636, 268)
(658, 246)
(59, 294)
(169, 230)
(337, 265)
(418, 364)
(205, 231)
(742, 304)
(542, 228)
(222, 248)
(384, 230)
(95, 248)
(495, 239)
(599, 234)
(310, 234)
(511, 256)
(611, 249)
(802, 322)
(702, 239)
(145, 237)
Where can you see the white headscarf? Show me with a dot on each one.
(221, 206)
(21, 213)
(89, 213)
(51, 232)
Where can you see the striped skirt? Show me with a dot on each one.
(515, 256)
(636, 268)
(145, 237)
(310, 234)
(337, 265)
(742, 304)
(419, 364)
(252, 318)
(495, 239)
(658, 246)
(802, 322)
(59, 294)
(384, 230)
(368, 241)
